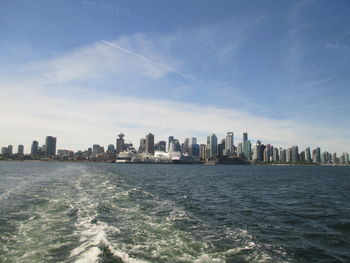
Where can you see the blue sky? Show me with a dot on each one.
(277, 69)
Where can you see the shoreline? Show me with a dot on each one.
(175, 163)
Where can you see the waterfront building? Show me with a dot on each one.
(326, 157)
(150, 143)
(50, 146)
(212, 146)
(160, 146)
(257, 152)
(127, 145)
(193, 140)
(275, 156)
(229, 142)
(101, 149)
(334, 158)
(110, 148)
(89, 151)
(177, 146)
(64, 153)
(41, 150)
(120, 143)
(288, 155)
(20, 150)
(239, 149)
(266, 155)
(95, 149)
(142, 147)
(269, 148)
(186, 146)
(282, 154)
(245, 136)
(308, 155)
(4, 150)
(10, 150)
(34, 148)
(247, 149)
(195, 150)
(221, 148)
(202, 154)
(302, 156)
(171, 142)
(171, 146)
(246, 146)
(344, 158)
(316, 155)
(295, 154)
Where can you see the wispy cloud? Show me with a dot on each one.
(338, 47)
(152, 61)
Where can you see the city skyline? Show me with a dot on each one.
(277, 70)
(251, 151)
(120, 143)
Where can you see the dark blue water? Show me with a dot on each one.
(66, 212)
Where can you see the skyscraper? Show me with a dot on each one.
(239, 149)
(334, 158)
(177, 146)
(221, 148)
(20, 149)
(275, 156)
(229, 151)
(4, 150)
(295, 154)
(194, 148)
(346, 158)
(120, 143)
(142, 147)
(302, 156)
(186, 146)
(212, 145)
(203, 154)
(160, 146)
(10, 149)
(308, 154)
(247, 149)
(193, 140)
(110, 148)
(288, 155)
(316, 155)
(245, 137)
(34, 148)
(50, 146)
(282, 154)
(150, 143)
(266, 155)
(170, 143)
(257, 152)
(95, 149)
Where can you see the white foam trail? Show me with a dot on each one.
(93, 235)
(153, 62)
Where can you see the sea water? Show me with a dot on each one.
(94, 212)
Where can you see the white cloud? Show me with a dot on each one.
(79, 121)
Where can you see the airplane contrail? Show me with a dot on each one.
(152, 61)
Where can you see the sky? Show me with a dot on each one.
(85, 70)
